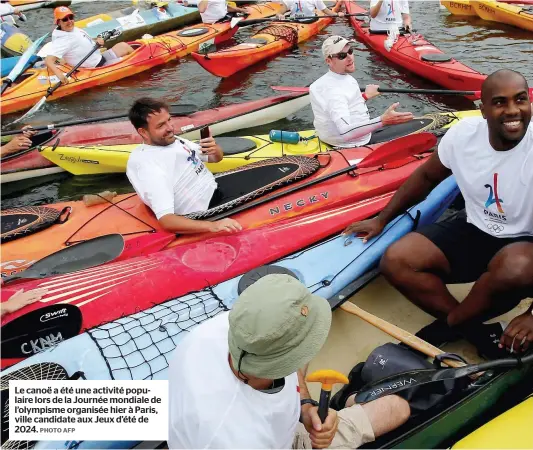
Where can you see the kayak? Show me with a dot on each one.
(105, 159)
(267, 42)
(516, 15)
(416, 54)
(148, 53)
(459, 7)
(9, 63)
(31, 164)
(512, 429)
(46, 4)
(139, 346)
(134, 21)
(127, 215)
(13, 42)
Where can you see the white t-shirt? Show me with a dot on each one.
(216, 9)
(304, 7)
(211, 408)
(497, 185)
(73, 46)
(6, 8)
(171, 179)
(341, 115)
(390, 14)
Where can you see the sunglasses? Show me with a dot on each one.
(67, 19)
(343, 55)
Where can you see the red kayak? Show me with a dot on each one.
(30, 164)
(416, 54)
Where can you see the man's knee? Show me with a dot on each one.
(399, 407)
(512, 266)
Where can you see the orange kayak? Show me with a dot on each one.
(148, 53)
(267, 42)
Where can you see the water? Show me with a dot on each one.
(485, 46)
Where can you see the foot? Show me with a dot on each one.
(437, 333)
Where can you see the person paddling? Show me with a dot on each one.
(72, 44)
(168, 173)
(491, 244)
(341, 115)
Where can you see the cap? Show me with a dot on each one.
(276, 326)
(333, 45)
(61, 12)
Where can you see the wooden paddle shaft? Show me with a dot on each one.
(398, 333)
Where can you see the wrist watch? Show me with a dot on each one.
(309, 401)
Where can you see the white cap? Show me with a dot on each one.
(333, 45)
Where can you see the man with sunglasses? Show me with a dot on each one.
(72, 44)
(341, 116)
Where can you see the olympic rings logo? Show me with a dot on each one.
(495, 227)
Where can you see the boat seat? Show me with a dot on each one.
(256, 41)
(234, 145)
(436, 57)
(254, 275)
(192, 32)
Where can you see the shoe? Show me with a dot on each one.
(338, 401)
(486, 338)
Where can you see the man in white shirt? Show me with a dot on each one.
(307, 8)
(168, 173)
(72, 44)
(213, 11)
(492, 160)
(386, 14)
(341, 115)
(238, 380)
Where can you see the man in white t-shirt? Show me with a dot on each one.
(341, 115)
(238, 380)
(307, 8)
(72, 44)
(213, 11)
(168, 173)
(386, 14)
(492, 160)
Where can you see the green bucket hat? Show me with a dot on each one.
(276, 327)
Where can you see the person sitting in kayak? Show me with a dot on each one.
(306, 8)
(251, 365)
(168, 173)
(213, 11)
(341, 115)
(387, 14)
(71, 44)
(492, 244)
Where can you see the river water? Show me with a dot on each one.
(485, 46)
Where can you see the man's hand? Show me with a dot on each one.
(321, 434)
(17, 144)
(20, 299)
(209, 146)
(372, 91)
(519, 330)
(392, 117)
(369, 228)
(340, 14)
(28, 131)
(62, 78)
(280, 16)
(100, 41)
(228, 225)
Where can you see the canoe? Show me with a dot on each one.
(102, 159)
(267, 42)
(136, 21)
(417, 55)
(13, 42)
(459, 7)
(148, 53)
(225, 119)
(127, 215)
(512, 429)
(516, 15)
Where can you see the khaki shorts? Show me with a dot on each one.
(354, 430)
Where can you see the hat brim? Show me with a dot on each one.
(279, 366)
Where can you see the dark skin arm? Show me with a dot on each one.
(414, 190)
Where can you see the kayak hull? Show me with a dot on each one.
(260, 46)
(225, 119)
(514, 15)
(459, 7)
(13, 42)
(416, 54)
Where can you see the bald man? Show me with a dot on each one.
(490, 244)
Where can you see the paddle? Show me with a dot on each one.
(249, 22)
(20, 67)
(327, 378)
(400, 382)
(77, 257)
(396, 332)
(40, 329)
(105, 36)
(175, 110)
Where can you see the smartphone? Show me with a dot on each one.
(204, 133)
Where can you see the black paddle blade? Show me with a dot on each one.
(77, 257)
(183, 110)
(40, 329)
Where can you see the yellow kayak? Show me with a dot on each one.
(512, 429)
(459, 7)
(94, 159)
(516, 15)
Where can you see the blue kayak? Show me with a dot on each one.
(138, 346)
(9, 63)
